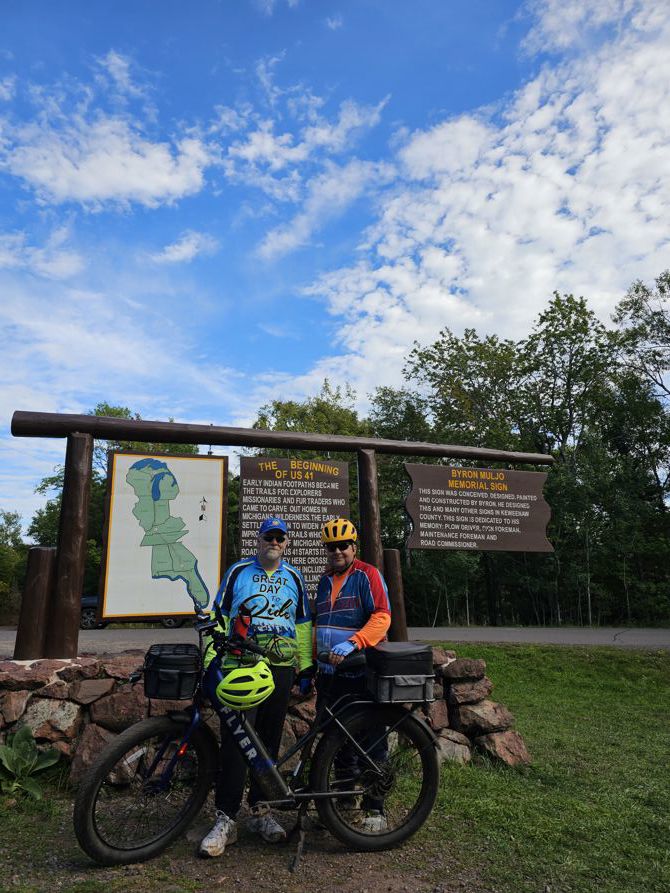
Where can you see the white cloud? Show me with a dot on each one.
(566, 187)
(118, 68)
(53, 261)
(105, 160)
(329, 195)
(560, 24)
(187, 247)
(334, 22)
(7, 88)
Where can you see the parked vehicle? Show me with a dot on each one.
(89, 616)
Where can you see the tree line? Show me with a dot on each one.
(596, 397)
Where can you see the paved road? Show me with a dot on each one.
(114, 640)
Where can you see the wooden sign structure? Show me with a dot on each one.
(305, 493)
(477, 508)
(60, 616)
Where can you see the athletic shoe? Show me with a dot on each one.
(267, 826)
(374, 822)
(222, 834)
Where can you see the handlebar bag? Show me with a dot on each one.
(171, 672)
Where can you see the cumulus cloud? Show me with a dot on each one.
(560, 24)
(566, 186)
(52, 261)
(187, 247)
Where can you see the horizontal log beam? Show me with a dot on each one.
(50, 424)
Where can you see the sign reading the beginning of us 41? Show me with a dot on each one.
(305, 493)
(477, 508)
(165, 534)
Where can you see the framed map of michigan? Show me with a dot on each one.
(165, 534)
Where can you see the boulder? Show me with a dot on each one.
(437, 715)
(305, 710)
(123, 708)
(441, 656)
(288, 740)
(469, 692)
(82, 668)
(453, 746)
(481, 718)
(160, 707)
(509, 747)
(12, 705)
(120, 666)
(15, 676)
(94, 739)
(463, 668)
(438, 690)
(57, 689)
(85, 691)
(53, 720)
(299, 726)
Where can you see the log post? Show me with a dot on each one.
(62, 636)
(393, 577)
(368, 499)
(37, 595)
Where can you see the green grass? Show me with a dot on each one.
(592, 813)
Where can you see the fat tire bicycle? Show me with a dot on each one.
(148, 785)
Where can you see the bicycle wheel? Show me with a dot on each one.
(392, 769)
(135, 800)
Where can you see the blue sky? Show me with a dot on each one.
(203, 208)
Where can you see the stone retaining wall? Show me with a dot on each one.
(78, 706)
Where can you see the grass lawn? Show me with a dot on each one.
(591, 814)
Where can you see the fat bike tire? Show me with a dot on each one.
(399, 776)
(129, 806)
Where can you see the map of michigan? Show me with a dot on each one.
(155, 486)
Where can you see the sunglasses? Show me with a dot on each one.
(274, 537)
(338, 547)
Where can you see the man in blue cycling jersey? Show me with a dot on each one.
(274, 592)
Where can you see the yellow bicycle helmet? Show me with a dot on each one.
(243, 688)
(338, 530)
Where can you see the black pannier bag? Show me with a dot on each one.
(400, 672)
(171, 672)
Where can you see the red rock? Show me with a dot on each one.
(439, 656)
(120, 666)
(57, 689)
(81, 668)
(469, 692)
(118, 711)
(305, 710)
(85, 691)
(437, 714)
(53, 719)
(481, 718)
(453, 746)
(94, 739)
(13, 704)
(464, 668)
(159, 707)
(299, 726)
(509, 747)
(288, 740)
(15, 676)
(438, 690)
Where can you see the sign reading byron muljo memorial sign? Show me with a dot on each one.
(305, 493)
(477, 508)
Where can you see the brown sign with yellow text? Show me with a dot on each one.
(477, 508)
(305, 493)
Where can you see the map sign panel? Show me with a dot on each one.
(477, 508)
(305, 493)
(165, 529)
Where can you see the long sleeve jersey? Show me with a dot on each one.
(277, 602)
(354, 605)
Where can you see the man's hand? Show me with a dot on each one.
(341, 651)
(304, 681)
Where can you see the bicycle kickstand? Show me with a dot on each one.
(298, 830)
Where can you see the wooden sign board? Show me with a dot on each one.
(477, 508)
(305, 493)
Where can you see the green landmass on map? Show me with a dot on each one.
(155, 486)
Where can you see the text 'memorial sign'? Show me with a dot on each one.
(477, 508)
(305, 493)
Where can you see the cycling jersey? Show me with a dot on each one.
(277, 603)
(360, 609)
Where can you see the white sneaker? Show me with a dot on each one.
(374, 822)
(267, 826)
(222, 834)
